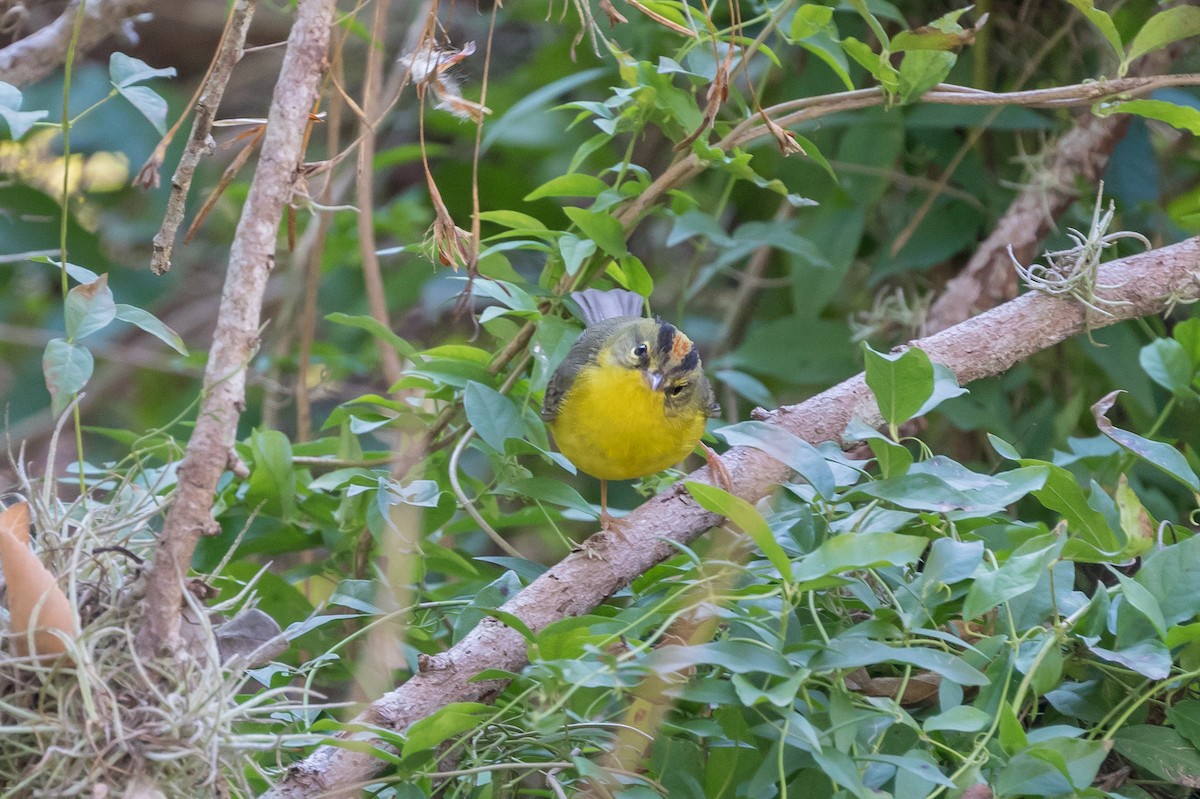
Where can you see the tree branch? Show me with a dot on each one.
(43, 51)
(251, 258)
(979, 347)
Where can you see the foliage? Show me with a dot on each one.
(1010, 599)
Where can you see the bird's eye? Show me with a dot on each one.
(677, 389)
(640, 350)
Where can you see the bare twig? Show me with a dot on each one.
(980, 347)
(37, 55)
(199, 143)
(236, 338)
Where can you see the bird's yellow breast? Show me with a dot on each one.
(611, 425)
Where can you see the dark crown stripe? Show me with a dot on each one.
(688, 364)
(666, 337)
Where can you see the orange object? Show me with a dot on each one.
(33, 595)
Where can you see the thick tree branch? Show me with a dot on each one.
(251, 258)
(980, 347)
(43, 51)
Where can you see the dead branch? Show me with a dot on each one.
(200, 142)
(251, 259)
(43, 51)
(979, 347)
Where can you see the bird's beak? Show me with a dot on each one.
(653, 379)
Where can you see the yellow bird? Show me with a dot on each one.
(630, 398)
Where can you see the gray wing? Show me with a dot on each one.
(583, 352)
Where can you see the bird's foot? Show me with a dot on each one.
(716, 468)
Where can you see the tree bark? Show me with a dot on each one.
(251, 258)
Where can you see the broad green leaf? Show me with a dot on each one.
(1168, 364)
(80, 274)
(809, 19)
(89, 309)
(493, 415)
(67, 368)
(901, 382)
(1185, 716)
(849, 652)
(826, 47)
(736, 657)
(790, 450)
(630, 273)
(426, 735)
(373, 326)
(1162, 29)
(556, 492)
(922, 490)
(272, 481)
(152, 325)
(1139, 597)
(150, 103)
(1156, 453)
(1150, 657)
(125, 70)
(1053, 767)
(513, 220)
(1183, 117)
(1103, 23)
(574, 251)
(1172, 576)
(1063, 494)
(576, 184)
(852, 551)
(1020, 573)
(945, 387)
(1187, 333)
(868, 59)
(961, 718)
(921, 69)
(1161, 751)
(19, 122)
(746, 517)
(601, 228)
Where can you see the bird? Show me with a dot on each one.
(630, 399)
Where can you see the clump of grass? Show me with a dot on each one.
(102, 719)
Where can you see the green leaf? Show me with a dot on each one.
(1187, 333)
(19, 122)
(1053, 767)
(1183, 117)
(125, 70)
(790, 450)
(513, 220)
(630, 273)
(152, 325)
(868, 59)
(1020, 573)
(810, 18)
(901, 382)
(1063, 494)
(1185, 717)
(737, 657)
(1156, 453)
(601, 228)
(1140, 598)
(1162, 29)
(574, 251)
(427, 734)
(850, 652)
(493, 415)
(89, 309)
(922, 69)
(961, 718)
(150, 103)
(1103, 22)
(377, 329)
(272, 481)
(852, 551)
(556, 492)
(746, 517)
(1161, 751)
(67, 368)
(1168, 364)
(1172, 576)
(576, 184)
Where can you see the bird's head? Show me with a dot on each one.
(666, 359)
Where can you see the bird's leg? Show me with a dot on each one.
(607, 522)
(717, 470)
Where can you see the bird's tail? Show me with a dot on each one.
(598, 305)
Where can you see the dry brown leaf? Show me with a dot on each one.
(919, 689)
(35, 600)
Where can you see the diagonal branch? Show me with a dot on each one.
(43, 51)
(986, 345)
(251, 258)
